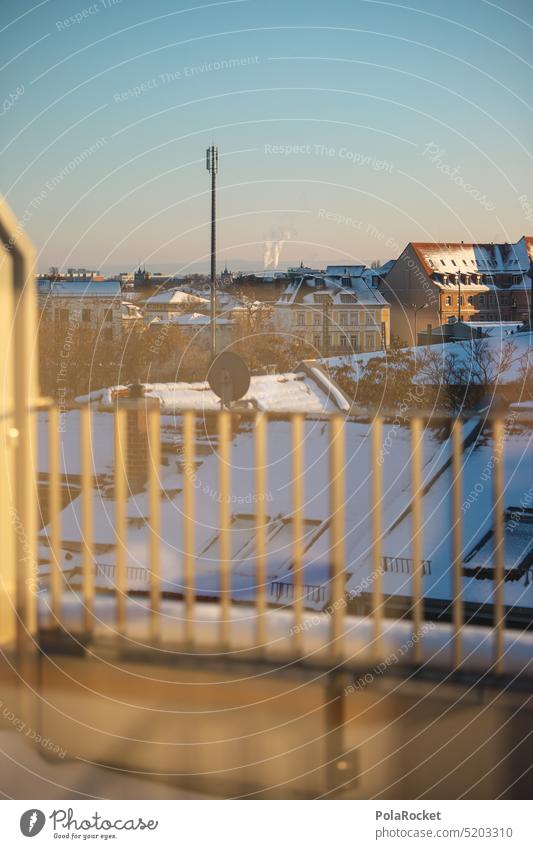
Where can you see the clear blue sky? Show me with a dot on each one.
(361, 125)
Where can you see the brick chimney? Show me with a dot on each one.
(137, 407)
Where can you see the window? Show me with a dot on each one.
(300, 319)
(471, 300)
(85, 315)
(109, 315)
(343, 318)
(344, 341)
(316, 318)
(448, 300)
(354, 342)
(62, 316)
(353, 318)
(317, 340)
(482, 300)
(347, 299)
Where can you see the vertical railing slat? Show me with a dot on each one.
(87, 519)
(224, 468)
(260, 461)
(120, 517)
(337, 528)
(298, 432)
(54, 504)
(376, 530)
(416, 533)
(154, 525)
(189, 591)
(499, 552)
(457, 542)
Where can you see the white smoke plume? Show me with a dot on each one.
(273, 247)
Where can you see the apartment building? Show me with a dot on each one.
(91, 304)
(431, 283)
(335, 312)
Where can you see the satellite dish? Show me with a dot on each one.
(228, 377)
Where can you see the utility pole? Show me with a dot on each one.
(212, 167)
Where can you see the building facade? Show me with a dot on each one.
(93, 305)
(432, 283)
(336, 312)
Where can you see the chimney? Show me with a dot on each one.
(137, 408)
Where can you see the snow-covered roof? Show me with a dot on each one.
(194, 319)
(311, 290)
(309, 391)
(81, 288)
(174, 297)
(465, 352)
(470, 258)
(396, 500)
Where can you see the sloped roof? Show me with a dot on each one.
(454, 257)
(307, 391)
(81, 288)
(174, 296)
(308, 290)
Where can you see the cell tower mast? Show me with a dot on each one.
(212, 166)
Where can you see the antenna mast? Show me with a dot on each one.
(211, 163)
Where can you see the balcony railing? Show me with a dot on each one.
(278, 613)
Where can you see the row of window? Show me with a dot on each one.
(351, 343)
(480, 300)
(343, 318)
(63, 315)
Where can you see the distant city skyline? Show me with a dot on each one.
(344, 131)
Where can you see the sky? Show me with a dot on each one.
(345, 129)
